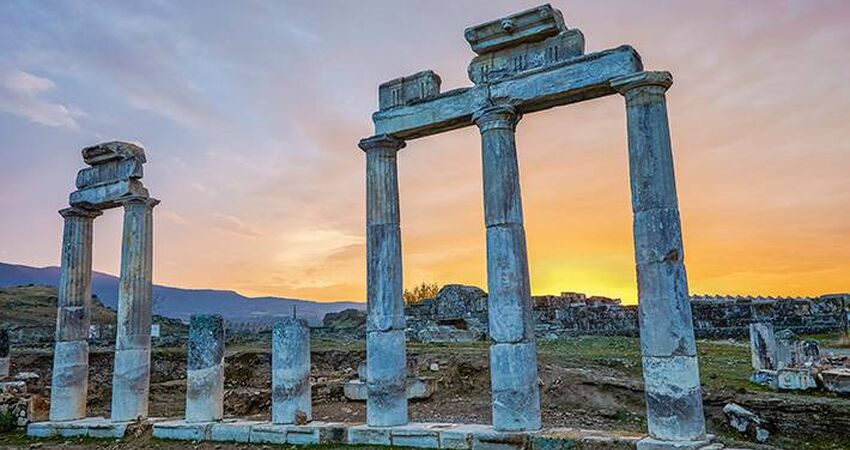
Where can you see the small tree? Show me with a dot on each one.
(420, 292)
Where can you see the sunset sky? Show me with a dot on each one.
(250, 113)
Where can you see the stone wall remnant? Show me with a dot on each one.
(4, 354)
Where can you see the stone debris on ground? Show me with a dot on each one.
(746, 422)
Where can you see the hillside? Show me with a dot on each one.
(181, 303)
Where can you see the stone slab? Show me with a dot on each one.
(574, 80)
(107, 195)
(530, 25)
(232, 430)
(180, 430)
(269, 433)
(795, 379)
(836, 380)
(366, 435)
(655, 444)
(93, 427)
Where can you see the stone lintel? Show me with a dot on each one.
(574, 80)
(640, 79)
(510, 62)
(112, 151)
(531, 25)
(109, 195)
(121, 169)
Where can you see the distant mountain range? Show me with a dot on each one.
(181, 303)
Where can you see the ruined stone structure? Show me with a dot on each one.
(205, 369)
(459, 314)
(526, 63)
(112, 180)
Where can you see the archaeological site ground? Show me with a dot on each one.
(465, 368)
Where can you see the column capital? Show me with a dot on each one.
(149, 201)
(661, 81)
(74, 211)
(496, 116)
(381, 142)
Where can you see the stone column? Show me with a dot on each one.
(513, 354)
(291, 402)
(69, 384)
(4, 354)
(205, 378)
(131, 377)
(670, 370)
(386, 358)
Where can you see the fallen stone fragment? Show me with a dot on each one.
(836, 380)
(746, 422)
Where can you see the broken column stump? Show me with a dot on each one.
(205, 377)
(291, 401)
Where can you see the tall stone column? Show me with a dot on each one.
(131, 377)
(513, 354)
(671, 374)
(291, 397)
(205, 374)
(69, 385)
(386, 358)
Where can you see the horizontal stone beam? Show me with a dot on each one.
(571, 81)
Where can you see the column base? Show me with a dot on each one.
(655, 444)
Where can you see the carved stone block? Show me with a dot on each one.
(112, 151)
(530, 25)
(410, 89)
(505, 63)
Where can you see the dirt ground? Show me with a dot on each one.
(585, 383)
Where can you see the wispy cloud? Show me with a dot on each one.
(22, 94)
(234, 225)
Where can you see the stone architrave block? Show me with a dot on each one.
(762, 346)
(109, 172)
(674, 397)
(410, 89)
(510, 315)
(107, 195)
(526, 26)
(513, 382)
(509, 62)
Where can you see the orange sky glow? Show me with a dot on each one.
(263, 187)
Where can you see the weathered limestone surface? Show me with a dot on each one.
(671, 373)
(565, 82)
(385, 342)
(410, 89)
(763, 346)
(526, 26)
(516, 402)
(291, 401)
(116, 168)
(4, 353)
(70, 357)
(205, 378)
(131, 377)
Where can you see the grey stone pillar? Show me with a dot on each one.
(4, 354)
(205, 377)
(291, 402)
(513, 354)
(131, 376)
(386, 360)
(69, 383)
(670, 370)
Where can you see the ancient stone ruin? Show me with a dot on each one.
(4, 354)
(784, 362)
(525, 63)
(113, 179)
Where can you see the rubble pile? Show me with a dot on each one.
(783, 361)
